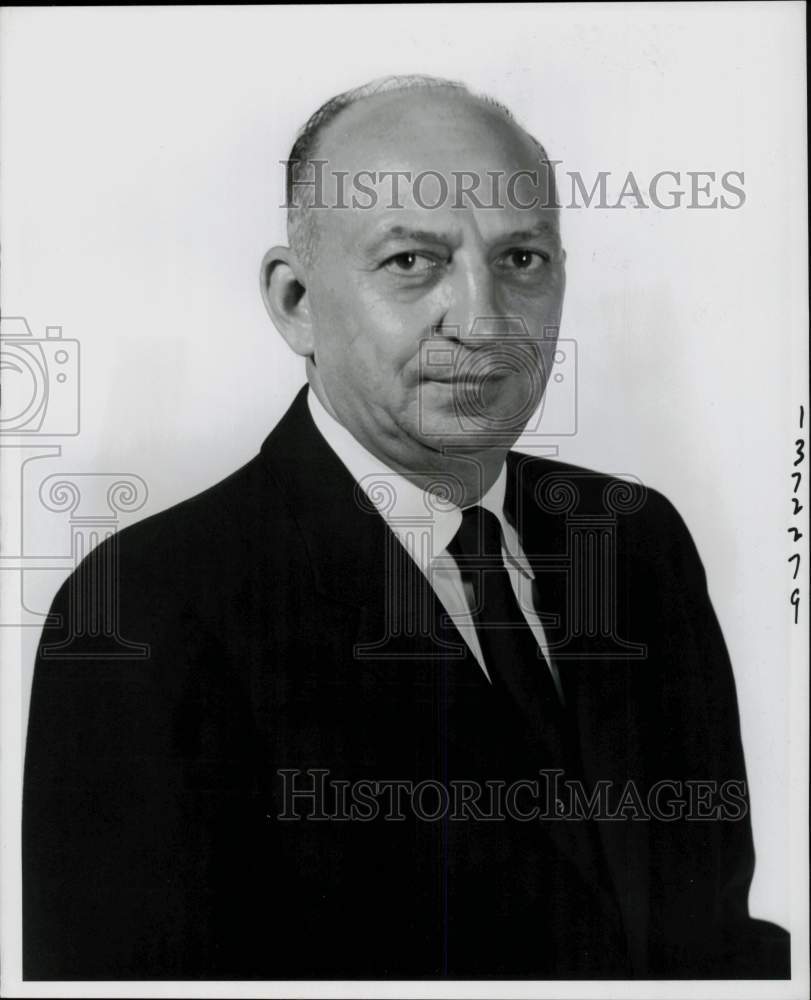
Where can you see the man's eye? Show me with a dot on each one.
(523, 260)
(409, 263)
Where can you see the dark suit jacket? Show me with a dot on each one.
(279, 631)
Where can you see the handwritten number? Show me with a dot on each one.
(799, 452)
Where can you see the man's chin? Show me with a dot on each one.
(450, 434)
(491, 415)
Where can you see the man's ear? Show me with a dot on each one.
(285, 296)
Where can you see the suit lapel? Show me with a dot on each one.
(357, 560)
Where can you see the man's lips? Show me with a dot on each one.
(479, 378)
(474, 370)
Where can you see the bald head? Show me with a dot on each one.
(369, 144)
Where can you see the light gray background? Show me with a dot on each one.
(141, 186)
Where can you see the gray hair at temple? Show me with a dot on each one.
(301, 233)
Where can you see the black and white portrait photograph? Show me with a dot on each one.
(404, 451)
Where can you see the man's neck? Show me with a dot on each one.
(461, 478)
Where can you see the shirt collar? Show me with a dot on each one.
(422, 521)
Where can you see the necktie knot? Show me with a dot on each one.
(478, 537)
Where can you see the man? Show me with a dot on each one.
(388, 604)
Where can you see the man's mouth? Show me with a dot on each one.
(469, 379)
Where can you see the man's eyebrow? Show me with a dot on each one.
(543, 228)
(404, 234)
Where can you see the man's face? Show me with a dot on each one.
(434, 326)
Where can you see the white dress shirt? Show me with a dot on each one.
(424, 525)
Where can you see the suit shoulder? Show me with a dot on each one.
(561, 486)
(226, 513)
(202, 538)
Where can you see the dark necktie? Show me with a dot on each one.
(512, 656)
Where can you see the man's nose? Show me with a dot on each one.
(476, 312)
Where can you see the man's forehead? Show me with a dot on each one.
(423, 129)
(450, 166)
